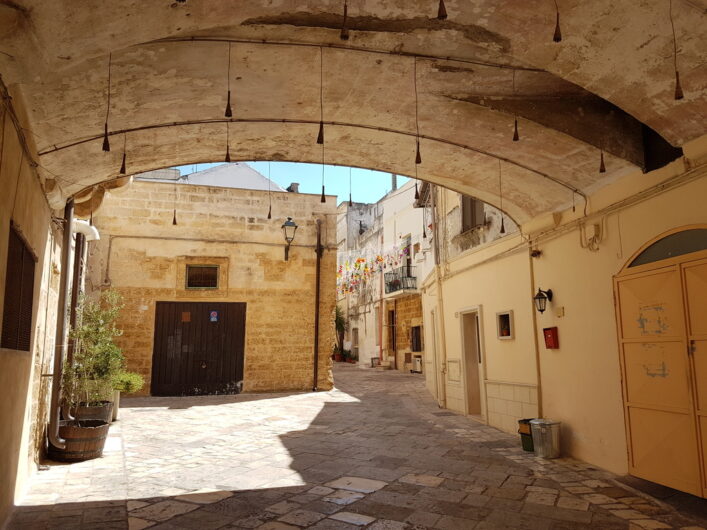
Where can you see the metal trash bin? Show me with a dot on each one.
(546, 437)
(526, 438)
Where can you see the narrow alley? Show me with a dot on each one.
(376, 452)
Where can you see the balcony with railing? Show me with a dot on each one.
(400, 279)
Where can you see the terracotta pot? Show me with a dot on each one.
(338, 357)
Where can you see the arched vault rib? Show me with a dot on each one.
(99, 137)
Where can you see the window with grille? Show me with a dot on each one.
(472, 213)
(19, 295)
(202, 276)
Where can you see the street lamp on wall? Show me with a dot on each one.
(541, 299)
(289, 228)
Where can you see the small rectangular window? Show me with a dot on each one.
(19, 295)
(472, 213)
(416, 338)
(202, 276)
(504, 325)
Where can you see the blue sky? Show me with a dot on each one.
(366, 185)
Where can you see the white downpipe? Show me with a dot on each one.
(88, 230)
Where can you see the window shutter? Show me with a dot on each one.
(19, 294)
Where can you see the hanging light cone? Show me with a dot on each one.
(441, 11)
(174, 217)
(418, 158)
(417, 193)
(678, 87)
(424, 231)
(350, 201)
(323, 199)
(557, 37)
(344, 30)
(602, 167)
(515, 131)
(503, 226)
(270, 212)
(228, 155)
(229, 112)
(122, 166)
(106, 143)
(320, 136)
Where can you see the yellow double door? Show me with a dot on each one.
(662, 313)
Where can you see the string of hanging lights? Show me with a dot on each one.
(320, 136)
(678, 88)
(106, 143)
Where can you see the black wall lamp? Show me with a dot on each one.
(541, 299)
(289, 228)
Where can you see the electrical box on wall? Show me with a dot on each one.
(552, 341)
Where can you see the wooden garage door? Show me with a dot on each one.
(662, 312)
(198, 348)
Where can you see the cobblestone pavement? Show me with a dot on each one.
(375, 453)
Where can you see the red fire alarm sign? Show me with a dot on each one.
(552, 341)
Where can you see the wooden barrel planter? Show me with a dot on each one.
(84, 440)
(103, 411)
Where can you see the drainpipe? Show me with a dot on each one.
(320, 251)
(60, 339)
(442, 353)
(535, 333)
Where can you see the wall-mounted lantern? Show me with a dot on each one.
(289, 228)
(541, 299)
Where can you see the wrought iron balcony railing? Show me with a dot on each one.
(400, 279)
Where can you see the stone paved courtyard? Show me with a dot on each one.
(376, 453)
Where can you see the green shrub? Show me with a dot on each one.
(128, 382)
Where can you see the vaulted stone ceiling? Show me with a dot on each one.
(609, 84)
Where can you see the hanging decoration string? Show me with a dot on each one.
(227, 158)
(323, 199)
(418, 158)
(269, 195)
(125, 143)
(344, 35)
(320, 136)
(106, 143)
(678, 88)
(557, 37)
(441, 11)
(500, 192)
(516, 137)
(228, 113)
(176, 198)
(350, 201)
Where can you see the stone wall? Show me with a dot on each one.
(143, 255)
(23, 407)
(408, 313)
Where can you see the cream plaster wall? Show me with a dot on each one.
(581, 383)
(24, 400)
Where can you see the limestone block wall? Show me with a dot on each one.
(23, 407)
(143, 255)
(408, 313)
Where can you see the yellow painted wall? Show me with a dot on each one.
(24, 396)
(581, 381)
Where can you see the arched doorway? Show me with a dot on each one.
(661, 297)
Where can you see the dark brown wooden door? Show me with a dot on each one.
(198, 348)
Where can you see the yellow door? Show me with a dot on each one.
(695, 282)
(658, 401)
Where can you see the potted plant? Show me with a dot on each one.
(338, 355)
(340, 325)
(87, 382)
(127, 382)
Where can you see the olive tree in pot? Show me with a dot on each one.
(127, 382)
(87, 383)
